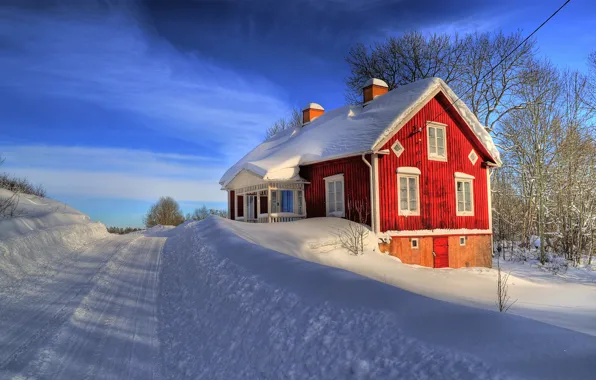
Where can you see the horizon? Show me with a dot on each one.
(136, 100)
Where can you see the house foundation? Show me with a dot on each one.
(462, 250)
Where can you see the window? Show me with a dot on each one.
(473, 157)
(398, 149)
(282, 201)
(437, 145)
(407, 193)
(462, 240)
(334, 190)
(414, 243)
(464, 196)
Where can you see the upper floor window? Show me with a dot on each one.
(334, 190)
(464, 192)
(437, 144)
(408, 190)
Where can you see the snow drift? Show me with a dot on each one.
(43, 233)
(230, 308)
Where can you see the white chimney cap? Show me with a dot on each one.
(376, 82)
(314, 106)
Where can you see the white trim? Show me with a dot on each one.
(375, 82)
(383, 151)
(463, 175)
(372, 203)
(417, 243)
(335, 178)
(229, 205)
(490, 208)
(376, 204)
(397, 148)
(465, 240)
(436, 156)
(473, 156)
(464, 213)
(408, 212)
(409, 170)
(439, 232)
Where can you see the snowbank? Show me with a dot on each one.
(541, 296)
(44, 233)
(233, 309)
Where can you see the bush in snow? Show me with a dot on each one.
(555, 264)
(353, 237)
(165, 212)
(20, 185)
(503, 299)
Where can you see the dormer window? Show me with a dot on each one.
(437, 141)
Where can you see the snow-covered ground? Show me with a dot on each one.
(567, 300)
(232, 309)
(75, 301)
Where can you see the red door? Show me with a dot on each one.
(441, 252)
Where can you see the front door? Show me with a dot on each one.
(441, 252)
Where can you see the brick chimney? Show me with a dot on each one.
(311, 112)
(372, 88)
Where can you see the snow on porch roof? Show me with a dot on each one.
(349, 130)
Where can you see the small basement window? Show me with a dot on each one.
(462, 240)
(414, 243)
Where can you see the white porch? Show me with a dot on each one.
(261, 201)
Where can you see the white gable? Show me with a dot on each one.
(349, 130)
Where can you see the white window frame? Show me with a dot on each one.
(463, 240)
(397, 148)
(338, 178)
(407, 173)
(415, 240)
(463, 178)
(435, 156)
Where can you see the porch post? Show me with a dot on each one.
(235, 204)
(258, 204)
(303, 202)
(245, 206)
(268, 202)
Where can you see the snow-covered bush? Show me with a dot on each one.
(555, 264)
(353, 237)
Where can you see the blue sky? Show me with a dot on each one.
(111, 104)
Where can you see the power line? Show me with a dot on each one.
(507, 56)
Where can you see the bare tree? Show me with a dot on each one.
(165, 212)
(470, 65)
(353, 236)
(293, 120)
(503, 299)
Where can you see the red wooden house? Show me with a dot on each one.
(415, 157)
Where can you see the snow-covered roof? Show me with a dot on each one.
(349, 130)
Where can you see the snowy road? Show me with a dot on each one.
(95, 318)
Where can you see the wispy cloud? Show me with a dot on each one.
(115, 173)
(109, 58)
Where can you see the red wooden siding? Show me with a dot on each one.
(356, 184)
(437, 182)
(240, 205)
(231, 204)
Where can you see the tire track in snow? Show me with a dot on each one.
(113, 330)
(66, 296)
